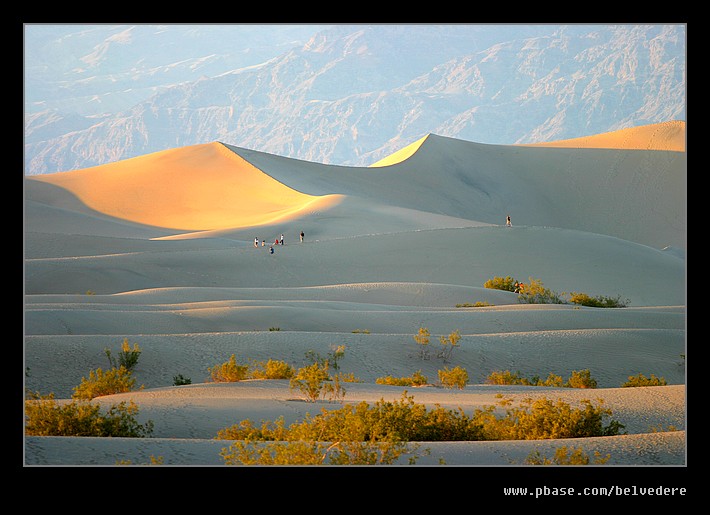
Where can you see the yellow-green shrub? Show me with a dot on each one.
(416, 379)
(45, 417)
(272, 369)
(229, 372)
(456, 377)
(114, 380)
(506, 283)
(642, 380)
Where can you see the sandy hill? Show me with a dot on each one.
(159, 249)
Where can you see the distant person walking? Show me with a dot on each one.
(263, 243)
(507, 221)
(282, 239)
(302, 236)
(256, 242)
(271, 249)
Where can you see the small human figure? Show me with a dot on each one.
(276, 241)
(507, 221)
(271, 249)
(256, 242)
(263, 243)
(281, 241)
(302, 235)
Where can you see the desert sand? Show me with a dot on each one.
(159, 249)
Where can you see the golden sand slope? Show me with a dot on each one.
(199, 187)
(658, 136)
(400, 155)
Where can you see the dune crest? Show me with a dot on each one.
(400, 155)
(659, 136)
(195, 188)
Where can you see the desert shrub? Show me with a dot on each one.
(272, 369)
(563, 456)
(422, 339)
(478, 304)
(313, 453)
(364, 434)
(506, 283)
(456, 377)
(127, 357)
(229, 371)
(542, 419)
(349, 377)
(154, 460)
(507, 377)
(552, 380)
(179, 380)
(114, 380)
(448, 343)
(581, 379)
(536, 293)
(334, 387)
(642, 380)
(599, 301)
(500, 377)
(416, 379)
(45, 417)
(331, 360)
(311, 380)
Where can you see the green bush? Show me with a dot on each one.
(229, 372)
(456, 377)
(179, 380)
(114, 380)
(45, 417)
(127, 358)
(642, 380)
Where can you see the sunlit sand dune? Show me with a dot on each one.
(668, 136)
(201, 187)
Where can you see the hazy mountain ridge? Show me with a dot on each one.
(347, 97)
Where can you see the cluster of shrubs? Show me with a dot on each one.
(358, 434)
(578, 379)
(448, 344)
(379, 434)
(535, 293)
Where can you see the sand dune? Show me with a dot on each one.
(669, 136)
(159, 249)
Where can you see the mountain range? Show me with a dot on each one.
(345, 94)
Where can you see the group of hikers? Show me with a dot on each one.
(277, 241)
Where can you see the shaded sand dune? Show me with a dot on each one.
(159, 250)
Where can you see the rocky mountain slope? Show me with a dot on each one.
(354, 94)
